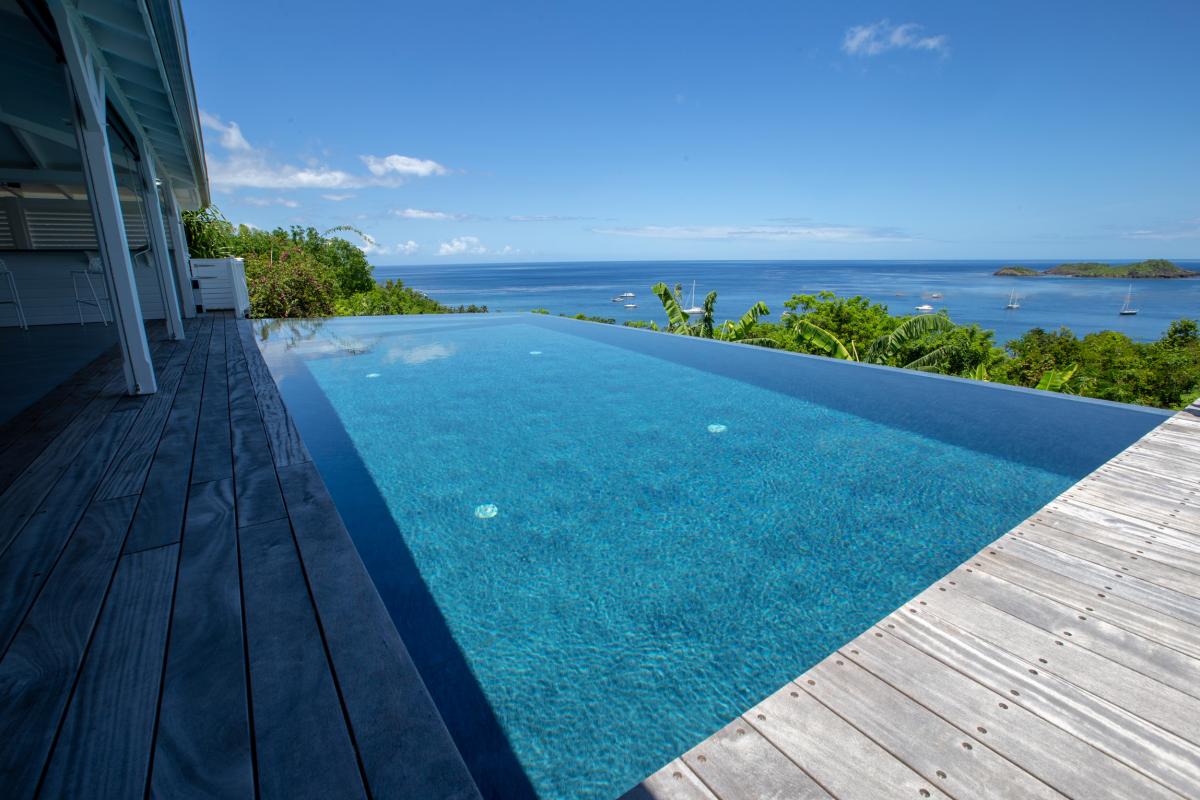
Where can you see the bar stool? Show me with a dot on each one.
(95, 268)
(15, 302)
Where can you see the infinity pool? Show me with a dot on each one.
(601, 544)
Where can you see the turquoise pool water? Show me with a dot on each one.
(620, 540)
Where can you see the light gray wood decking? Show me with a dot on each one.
(1061, 661)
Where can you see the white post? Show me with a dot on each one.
(180, 256)
(157, 239)
(86, 87)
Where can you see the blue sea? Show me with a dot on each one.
(971, 293)
(600, 544)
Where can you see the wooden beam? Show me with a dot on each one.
(87, 86)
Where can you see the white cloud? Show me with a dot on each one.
(882, 36)
(403, 165)
(462, 245)
(263, 202)
(810, 233)
(420, 213)
(244, 166)
(371, 247)
(1185, 229)
(543, 218)
(337, 198)
(230, 135)
(471, 246)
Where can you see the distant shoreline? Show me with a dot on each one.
(1156, 268)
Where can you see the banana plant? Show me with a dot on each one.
(980, 372)
(1055, 380)
(680, 322)
(885, 347)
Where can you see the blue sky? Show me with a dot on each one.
(483, 131)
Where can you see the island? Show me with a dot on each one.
(1152, 268)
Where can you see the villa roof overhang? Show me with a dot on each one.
(140, 47)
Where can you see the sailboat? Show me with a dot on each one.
(695, 309)
(1013, 305)
(1128, 310)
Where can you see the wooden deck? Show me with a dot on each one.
(1061, 661)
(182, 613)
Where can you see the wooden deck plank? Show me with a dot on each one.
(25, 495)
(1144, 544)
(103, 746)
(388, 705)
(303, 747)
(34, 431)
(202, 748)
(1117, 523)
(1133, 564)
(1059, 759)
(146, 676)
(214, 454)
(917, 736)
(132, 461)
(1048, 653)
(737, 763)
(1113, 732)
(1164, 664)
(1132, 617)
(1104, 581)
(161, 522)
(675, 781)
(837, 755)
(24, 567)
(38, 670)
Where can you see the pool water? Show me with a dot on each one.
(629, 537)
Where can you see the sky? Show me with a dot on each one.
(456, 131)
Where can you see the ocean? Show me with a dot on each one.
(969, 291)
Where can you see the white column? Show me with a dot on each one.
(180, 256)
(157, 239)
(86, 86)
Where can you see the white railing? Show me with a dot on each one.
(222, 283)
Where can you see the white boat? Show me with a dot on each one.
(937, 295)
(924, 309)
(695, 309)
(1128, 310)
(631, 305)
(1013, 305)
(628, 294)
(619, 298)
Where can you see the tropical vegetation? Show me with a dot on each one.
(301, 272)
(1151, 268)
(1106, 365)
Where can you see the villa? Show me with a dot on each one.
(512, 555)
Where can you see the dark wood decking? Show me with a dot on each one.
(182, 613)
(1061, 661)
